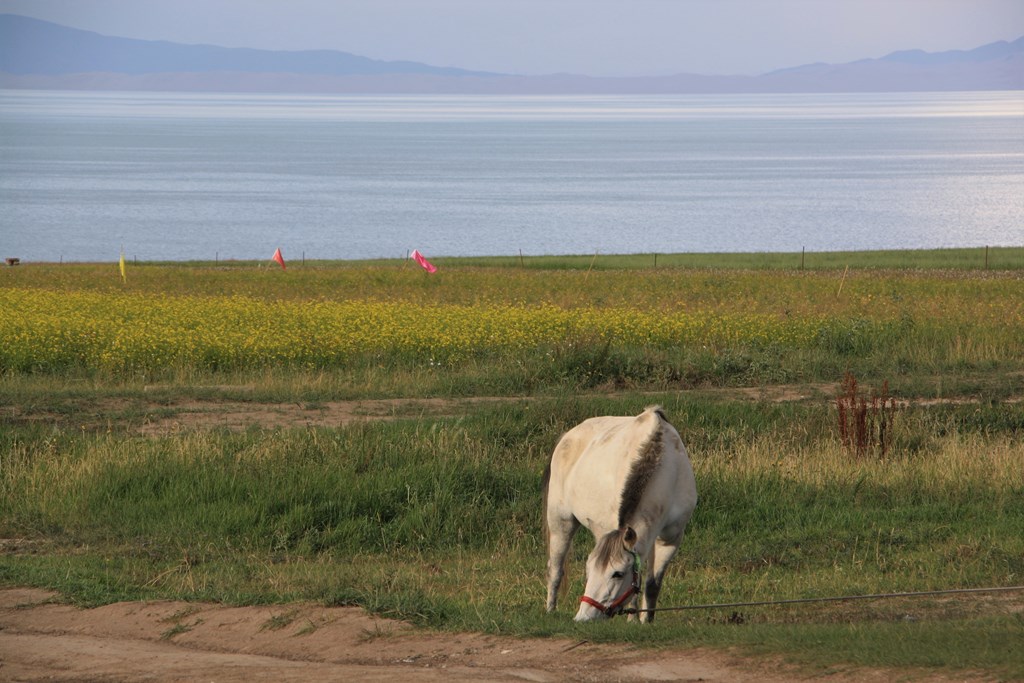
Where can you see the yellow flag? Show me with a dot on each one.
(123, 277)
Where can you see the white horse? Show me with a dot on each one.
(628, 480)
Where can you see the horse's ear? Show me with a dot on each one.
(629, 537)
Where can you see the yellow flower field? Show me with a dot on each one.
(642, 326)
(125, 332)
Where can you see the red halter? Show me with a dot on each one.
(616, 607)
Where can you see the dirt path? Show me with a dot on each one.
(41, 640)
(237, 415)
(160, 416)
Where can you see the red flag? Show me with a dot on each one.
(427, 265)
(280, 259)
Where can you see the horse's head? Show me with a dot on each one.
(613, 576)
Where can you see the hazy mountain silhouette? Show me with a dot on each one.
(40, 54)
(32, 46)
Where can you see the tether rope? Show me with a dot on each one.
(838, 598)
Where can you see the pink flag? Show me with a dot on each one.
(280, 259)
(427, 265)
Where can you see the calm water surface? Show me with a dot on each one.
(199, 176)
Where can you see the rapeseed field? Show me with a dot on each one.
(89, 330)
(779, 325)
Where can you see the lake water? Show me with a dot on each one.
(204, 176)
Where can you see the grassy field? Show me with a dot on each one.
(437, 518)
(501, 329)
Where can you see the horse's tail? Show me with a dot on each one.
(645, 464)
(657, 410)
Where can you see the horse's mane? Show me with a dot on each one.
(643, 468)
(607, 547)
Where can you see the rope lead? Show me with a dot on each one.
(838, 598)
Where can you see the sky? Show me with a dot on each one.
(591, 37)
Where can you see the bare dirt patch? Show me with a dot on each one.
(41, 639)
(162, 417)
(239, 415)
(236, 415)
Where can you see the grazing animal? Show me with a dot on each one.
(630, 482)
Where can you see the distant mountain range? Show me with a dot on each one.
(40, 54)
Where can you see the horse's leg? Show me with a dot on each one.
(560, 533)
(663, 553)
(635, 602)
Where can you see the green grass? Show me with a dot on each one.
(998, 258)
(437, 519)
